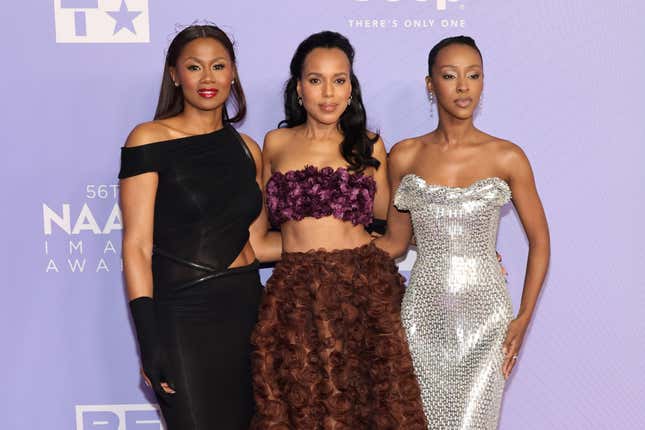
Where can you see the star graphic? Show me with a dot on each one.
(124, 18)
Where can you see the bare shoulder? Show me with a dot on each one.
(371, 134)
(506, 151)
(509, 157)
(252, 144)
(403, 153)
(276, 140)
(379, 146)
(146, 133)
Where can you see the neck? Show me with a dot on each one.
(201, 121)
(316, 130)
(453, 131)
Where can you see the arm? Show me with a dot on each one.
(266, 244)
(399, 229)
(137, 197)
(382, 197)
(531, 213)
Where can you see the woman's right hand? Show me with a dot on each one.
(153, 357)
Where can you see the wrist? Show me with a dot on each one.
(145, 323)
(524, 317)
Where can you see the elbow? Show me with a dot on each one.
(399, 251)
(540, 243)
(540, 248)
(134, 249)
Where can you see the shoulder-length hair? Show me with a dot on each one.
(357, 146)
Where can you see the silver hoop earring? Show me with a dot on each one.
(349, 101)
(300, 101)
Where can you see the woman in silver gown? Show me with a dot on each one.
(449, 186)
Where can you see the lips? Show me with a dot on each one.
(207, 93)
(464, 103)
(328, 107)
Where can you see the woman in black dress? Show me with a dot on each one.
(190, 197)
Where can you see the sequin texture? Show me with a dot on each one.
(456, 308)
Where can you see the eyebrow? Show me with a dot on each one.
(199, 60)
(320, 74)
(452, 65)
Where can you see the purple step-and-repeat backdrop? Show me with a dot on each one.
(563, 80)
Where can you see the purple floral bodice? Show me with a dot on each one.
(313, 192)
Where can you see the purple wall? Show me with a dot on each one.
(563, 80)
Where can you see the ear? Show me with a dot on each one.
(429, 85)
(173, 73)
(299, 88)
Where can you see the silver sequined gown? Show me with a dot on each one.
(456, 308)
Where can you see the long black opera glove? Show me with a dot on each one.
(377, 226)
(150, 349)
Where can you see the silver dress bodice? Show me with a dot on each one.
(456, 308)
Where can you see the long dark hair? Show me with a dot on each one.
(171, 98)
(357, 146)
(456, 40)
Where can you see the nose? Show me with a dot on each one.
(208, 76)
(462, 84)
(328, 89)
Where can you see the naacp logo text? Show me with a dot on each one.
(84, 235)
(102, 21)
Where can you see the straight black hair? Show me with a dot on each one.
(456, 40)
(171, 98)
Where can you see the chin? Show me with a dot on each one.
(463, 115)
(206, 105)
(328, 119)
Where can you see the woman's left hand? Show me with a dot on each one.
(513, 343)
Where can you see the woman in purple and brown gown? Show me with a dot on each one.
(330, 351)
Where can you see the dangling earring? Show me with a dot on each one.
(349, 101)
(233, 82)
(176, 83)
(431, 99)
(300, 101)
(481, 102)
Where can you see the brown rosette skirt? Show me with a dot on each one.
(330, 351)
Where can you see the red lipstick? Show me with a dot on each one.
(207, 93)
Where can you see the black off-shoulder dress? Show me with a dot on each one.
(206, 199)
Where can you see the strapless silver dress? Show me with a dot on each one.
(456, 308)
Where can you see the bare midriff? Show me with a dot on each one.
(325, 234)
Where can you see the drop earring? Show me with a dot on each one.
(431, 100)
(233, 82)
(300, 101)
(349, 101)
(176, 83)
